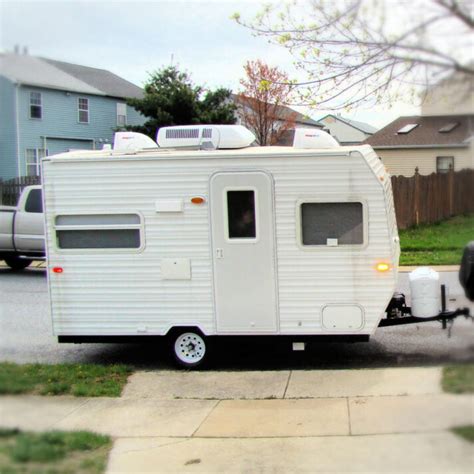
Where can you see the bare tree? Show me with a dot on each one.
(265, 91)
(370, 51)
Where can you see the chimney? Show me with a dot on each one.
(16, 49)
(25, 50)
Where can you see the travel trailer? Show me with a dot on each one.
(207, 236)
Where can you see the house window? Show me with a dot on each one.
(121, 114)
(33, 160)
(332, 223)
(444, 164)
(99, 231)
(241, 214)
(83, 110)
(36, 107)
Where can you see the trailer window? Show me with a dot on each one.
(342, 222)
(99, 231)
(241, 214)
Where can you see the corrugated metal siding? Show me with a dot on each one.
(8, 145)
(122, 293)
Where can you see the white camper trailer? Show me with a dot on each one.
(191, 244)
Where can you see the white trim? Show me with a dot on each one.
(17, 121)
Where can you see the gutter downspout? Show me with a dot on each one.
(17, 125)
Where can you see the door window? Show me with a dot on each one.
(241, 214)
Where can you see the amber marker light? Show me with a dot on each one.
(383, 267)
(57, 269)
(198, 200)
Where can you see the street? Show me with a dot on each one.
(26, 336)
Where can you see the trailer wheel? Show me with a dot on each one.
(189, 348)
(16, 263)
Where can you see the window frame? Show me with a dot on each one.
(121, 115)
(341, 200)
(241, 240)
(445, 171)
(140, 226)
(79, 110)
(37, 163)
(40, 105)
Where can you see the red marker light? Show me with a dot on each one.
(57, 270)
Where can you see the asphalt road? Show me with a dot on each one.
(26, 336)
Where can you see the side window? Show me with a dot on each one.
(444, 164)
(241, 216)
(99, 231)
(83, 110)
(332, 223)
(34, 201)
(36, 106)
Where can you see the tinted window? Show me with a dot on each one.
(332, 220)
(99, 239)
(34, 201)
(241, 214)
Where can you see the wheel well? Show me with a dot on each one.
(174, 330)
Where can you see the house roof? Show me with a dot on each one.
(426, 133)
(42, 72)
(362, 126)
(283, 112)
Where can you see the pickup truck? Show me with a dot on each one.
(22, 230)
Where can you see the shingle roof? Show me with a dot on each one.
(50, 74)
(105, 81)
(362, 126)
(426, 133)
(283, 112)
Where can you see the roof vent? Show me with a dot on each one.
(449, 127)
(407, 128)
(205, 136)
(313, 138)
(129, 141)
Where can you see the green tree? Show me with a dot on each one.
(171, 98)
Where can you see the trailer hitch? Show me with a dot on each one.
(399, 313)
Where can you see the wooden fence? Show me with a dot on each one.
(11, 189)
(427, 199)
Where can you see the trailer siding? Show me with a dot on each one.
(122, 293)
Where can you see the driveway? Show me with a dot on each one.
(25, 336)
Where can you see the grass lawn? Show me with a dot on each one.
(458, 379)
(436, 244)
(78, 452)
(80, 380)
(466, 432)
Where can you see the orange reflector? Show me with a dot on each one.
(197, 200)
(57, 270)
(383, 267)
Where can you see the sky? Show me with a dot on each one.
(133, 39)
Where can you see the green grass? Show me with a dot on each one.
(437, 244)
(458, 379)
(53, 452)
(80, 380)
(466, 432)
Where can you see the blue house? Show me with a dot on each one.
(48, 107)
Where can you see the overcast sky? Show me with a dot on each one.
(132, 39)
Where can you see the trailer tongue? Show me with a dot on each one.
(429, 297)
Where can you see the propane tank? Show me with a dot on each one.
(425, 292)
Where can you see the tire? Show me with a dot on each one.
(17, 264)
(189, 348)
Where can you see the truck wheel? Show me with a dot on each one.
(16, 263)
(189, 348)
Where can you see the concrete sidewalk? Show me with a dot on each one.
(377, 420)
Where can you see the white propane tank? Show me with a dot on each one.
(425, 292)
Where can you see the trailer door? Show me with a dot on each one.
(242, 220)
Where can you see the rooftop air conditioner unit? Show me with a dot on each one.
(205, 136)
(313, 138)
